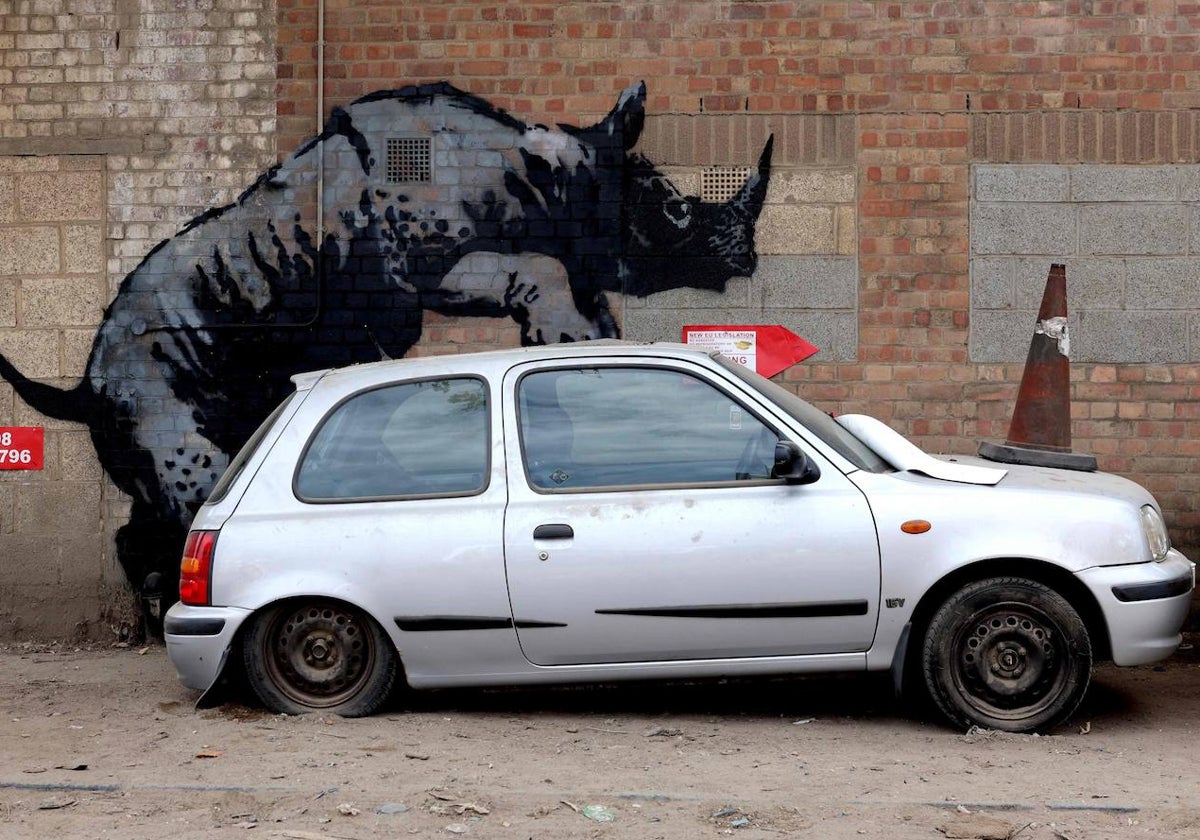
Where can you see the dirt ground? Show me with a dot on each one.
(106, 743)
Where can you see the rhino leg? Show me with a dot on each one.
(148, 548)
(532, 289)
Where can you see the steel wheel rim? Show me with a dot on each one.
(319, 655)
(1010, 661)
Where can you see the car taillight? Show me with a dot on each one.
(195, 571)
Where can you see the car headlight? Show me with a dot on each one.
(1156, 533)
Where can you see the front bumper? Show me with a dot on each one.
(1144, 606)
(198, 641)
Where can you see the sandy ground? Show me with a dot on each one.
(105, 743)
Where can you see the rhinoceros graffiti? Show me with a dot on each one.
(525, 222)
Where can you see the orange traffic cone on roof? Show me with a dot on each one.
(1040, 431)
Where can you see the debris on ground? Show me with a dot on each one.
(663, 732)
(968, 826)
(54, 803)
(598, 813)
(736, 816)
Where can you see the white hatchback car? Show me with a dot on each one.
(607, 511)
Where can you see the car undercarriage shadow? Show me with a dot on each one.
(1116, 696)
(858, 695)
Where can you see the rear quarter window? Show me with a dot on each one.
(239, 462)
(423, 438)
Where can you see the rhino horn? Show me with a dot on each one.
(750, 197)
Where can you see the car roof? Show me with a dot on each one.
(491, 360)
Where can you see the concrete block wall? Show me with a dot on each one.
(883, 238)
(119, 122)
(56, 574)
(1128, 237)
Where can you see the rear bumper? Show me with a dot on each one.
(198, 640)
(1144, 605)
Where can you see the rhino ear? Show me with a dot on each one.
(626, 119)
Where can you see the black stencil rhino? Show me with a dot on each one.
(527, 222)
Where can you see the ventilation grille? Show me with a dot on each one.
(718, 184)
(408, 160)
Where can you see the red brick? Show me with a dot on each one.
(1050, 82)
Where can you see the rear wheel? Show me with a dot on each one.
(316, 655)
(1007, 653)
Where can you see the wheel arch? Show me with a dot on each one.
(1057, 578)
(231, 679)
(323, 596)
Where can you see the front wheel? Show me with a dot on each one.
(316, 655)
(1007, 653)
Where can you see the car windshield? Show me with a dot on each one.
(818, 422)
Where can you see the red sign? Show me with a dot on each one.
(765, 349)
(21, 447)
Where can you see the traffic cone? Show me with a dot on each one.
(1040, 431)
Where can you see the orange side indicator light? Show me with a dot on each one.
(915, 526)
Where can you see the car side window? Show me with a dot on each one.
(413, 439)
(627, 426)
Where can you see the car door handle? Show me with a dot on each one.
(553, 532)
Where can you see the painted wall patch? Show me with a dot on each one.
(432, 200)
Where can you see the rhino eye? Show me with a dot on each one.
(679, 212)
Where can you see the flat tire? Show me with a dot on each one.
(319, 655)
(1007, 653)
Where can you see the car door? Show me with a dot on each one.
(642, 523)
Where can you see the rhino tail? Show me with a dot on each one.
(73, 404)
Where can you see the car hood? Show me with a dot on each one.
(905, 457)
(1048, 479)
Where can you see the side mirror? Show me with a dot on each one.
(792, 465)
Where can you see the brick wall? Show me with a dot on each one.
(886, 116)
(119, 121)
(929, 89)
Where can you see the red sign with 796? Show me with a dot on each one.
(21, 447)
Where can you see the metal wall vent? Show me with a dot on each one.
(409, 160)
(718, 184)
